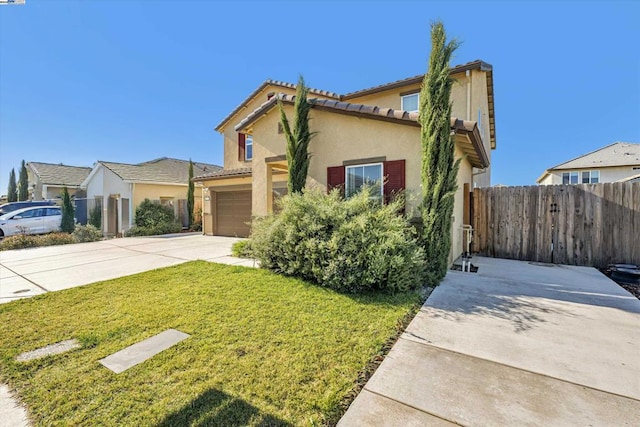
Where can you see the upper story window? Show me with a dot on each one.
(410, 102)
(584, 177)
(590, 177)
(360, 175)
(248, 147)
(569, 177)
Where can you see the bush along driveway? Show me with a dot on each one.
(263, 349)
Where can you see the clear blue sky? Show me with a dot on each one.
(129, 81)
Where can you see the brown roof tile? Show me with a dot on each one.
(224, 173)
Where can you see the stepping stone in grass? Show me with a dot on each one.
(57, 348)
(139, 352)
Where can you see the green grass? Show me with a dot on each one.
(264, 349)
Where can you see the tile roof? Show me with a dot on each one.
(277, 83)
(476, 153)
(164, 169)
(59, 174)
(224, 173)
(477, 64)
(616, 154)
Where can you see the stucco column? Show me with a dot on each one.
(269, 192)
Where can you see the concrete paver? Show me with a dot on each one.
(139, 352)
(12, 414)
(514, 344)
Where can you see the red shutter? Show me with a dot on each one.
(394, 178)
(241, 146)
(335, 178)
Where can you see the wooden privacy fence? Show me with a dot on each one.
(586, 224)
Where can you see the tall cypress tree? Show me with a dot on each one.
(190, 195)
(439, 167)
(23, 185)
(298, 139)
(68, 221)
(12, 190)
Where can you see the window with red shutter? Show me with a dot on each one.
(241, 146)
(394, 178)
(335, 178)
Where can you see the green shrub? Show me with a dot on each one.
(166, 228)
(242, 249)
(22, 241)
(86, 233)
(349, 245)
(95, 217)
(149, 214)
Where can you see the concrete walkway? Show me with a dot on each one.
(28, 272)
(515, 344)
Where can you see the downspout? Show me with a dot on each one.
(131, 204)
(468, 74)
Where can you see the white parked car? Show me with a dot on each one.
(34, 220)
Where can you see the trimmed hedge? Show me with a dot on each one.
(86, 233)
(165, 228)
(22, 241)
(351, 245)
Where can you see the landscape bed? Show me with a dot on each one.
(264, 349)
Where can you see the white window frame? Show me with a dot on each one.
(577, 174)
(346, 178)
(248, 142)
(402, 99)
(591, 176)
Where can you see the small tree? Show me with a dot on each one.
(439, 167)
(190, 195)
(23, 185)
(12, 190)
(298, 139)
(68, 223)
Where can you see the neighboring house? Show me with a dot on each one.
(368, 134)
(46, 180)
(619, 161)
(116, 189)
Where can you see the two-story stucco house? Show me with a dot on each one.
(371, 133)
(617, 162)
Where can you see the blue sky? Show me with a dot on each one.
(129, 81)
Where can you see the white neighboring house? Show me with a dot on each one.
(618, 162)
(116, 189)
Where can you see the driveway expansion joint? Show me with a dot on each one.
(25, 278)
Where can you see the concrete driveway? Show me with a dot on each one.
(28, 272)
(515, 344)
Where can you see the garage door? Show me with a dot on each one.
(233, 212)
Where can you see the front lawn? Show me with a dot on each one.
(264, 349)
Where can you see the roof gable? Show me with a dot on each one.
(473, 65)
(616, 154)
(163, 170)
(59, 174)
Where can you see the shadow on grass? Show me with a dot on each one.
(216, 408)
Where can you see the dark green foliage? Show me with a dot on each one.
(242, 249)
(352, 245)
(86, 233)
(153, 219)
(95, 217)
(68, 223)
(21, 241)
(12, 190)
(298, 139)
(23, 185)
(149, 214)
(439, 167)
(163, 228)
(190, 195)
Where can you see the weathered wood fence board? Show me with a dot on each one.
(586, 224)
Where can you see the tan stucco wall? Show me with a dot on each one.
(341, 138)
(230, 136)
(156, 191)
(610, 174)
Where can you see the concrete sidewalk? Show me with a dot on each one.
(515, 344)
(28, 272)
